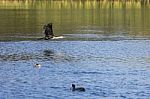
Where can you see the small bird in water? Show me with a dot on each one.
(37, 65)
(74, 88)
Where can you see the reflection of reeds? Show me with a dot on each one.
(86, 4)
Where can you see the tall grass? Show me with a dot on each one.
(87, 4)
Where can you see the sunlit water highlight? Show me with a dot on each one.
(107, 69)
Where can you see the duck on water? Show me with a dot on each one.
(74, 88)
(37, 65)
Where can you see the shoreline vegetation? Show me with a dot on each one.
(86, 4)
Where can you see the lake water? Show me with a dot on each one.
(23, 20)
(103, 46)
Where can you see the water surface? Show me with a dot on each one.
(22, 20)
(110, 69)
(103, 46)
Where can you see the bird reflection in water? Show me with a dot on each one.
(48, 53)
(56, 56)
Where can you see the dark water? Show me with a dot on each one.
(21, 20)
(103, 46)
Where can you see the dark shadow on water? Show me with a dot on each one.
(81, 37)
(15, 57)
(46, 55)
(57, 56)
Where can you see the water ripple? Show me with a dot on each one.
(106, 69)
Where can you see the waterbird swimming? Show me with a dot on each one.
(74, 88)
(37, 65)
